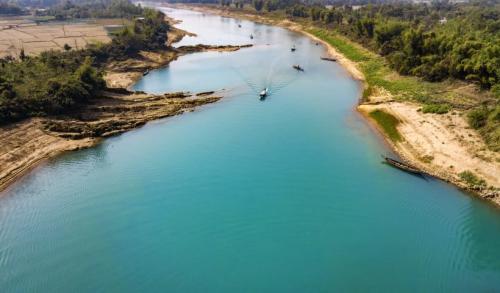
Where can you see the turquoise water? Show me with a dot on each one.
(284, 195)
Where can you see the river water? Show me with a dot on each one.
(282, 195)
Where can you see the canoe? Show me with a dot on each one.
(329, 59)
(402, 166)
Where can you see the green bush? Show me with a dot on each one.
(471, 179)
(477, 118)
(436, 108)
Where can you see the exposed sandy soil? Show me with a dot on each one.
(24, 144)
(441, 145)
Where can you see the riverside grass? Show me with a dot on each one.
(376, 70)
(388, 123)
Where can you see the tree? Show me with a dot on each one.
(258, 4)
(22, 55)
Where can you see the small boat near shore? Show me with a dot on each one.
(403, 166)
(263, 94)
(328, 59)
(251, 37)
(293, 48)
(298, 68)
(145, 72)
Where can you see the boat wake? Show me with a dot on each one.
(276, 79)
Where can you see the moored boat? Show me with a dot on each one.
(329, 59)
(403, 166)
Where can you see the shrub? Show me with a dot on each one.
(477, 118)
(471, 179)
(436, 108)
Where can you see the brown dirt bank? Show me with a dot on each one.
(24, 144)
(441, 145)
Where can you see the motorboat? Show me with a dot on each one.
(263, 94)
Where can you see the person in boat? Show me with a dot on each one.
(293, 48)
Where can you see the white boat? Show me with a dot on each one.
(263, 93)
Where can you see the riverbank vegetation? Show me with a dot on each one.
(59, 81)
(388, 123)
(10, 9)
(93, 9)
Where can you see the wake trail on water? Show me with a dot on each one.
(274, 80)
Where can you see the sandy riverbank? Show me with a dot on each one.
(441, 145)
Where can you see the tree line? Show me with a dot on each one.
(434, 42)
(56, 82)
(93, 9)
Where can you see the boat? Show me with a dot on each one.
(329, 59)
(298, 67)
(293, 48)
(403, 166)
(239, 25)
(263, 93)
(251, 37)
(145, 72)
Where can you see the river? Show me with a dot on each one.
(282, 195)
